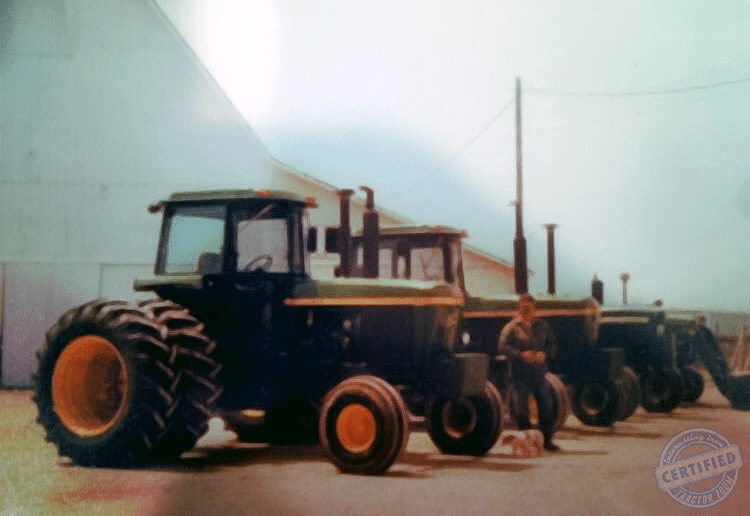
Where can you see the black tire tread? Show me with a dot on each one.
(135, 438)
(562, 405)
(608, 413)
(694, 385)
(195, 386)
(663, 400)
(393, 435)
(172, 383)
(486, 432)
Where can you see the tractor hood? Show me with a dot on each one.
(547, 306)
(374, 292)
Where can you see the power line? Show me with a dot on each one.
(642, 93)
(460, 151)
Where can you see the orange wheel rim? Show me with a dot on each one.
(533, 411)
(90, 387)
(355, 428)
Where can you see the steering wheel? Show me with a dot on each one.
(266, 260)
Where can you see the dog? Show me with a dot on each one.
(525, 443)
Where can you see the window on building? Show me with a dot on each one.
(332, 240)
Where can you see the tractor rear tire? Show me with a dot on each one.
(109, 386)
(560, 400)
(468, 425)
(626, 400)
(694, 385)
(631, 387)
(364, 425)
(197, 389)
(597, 403)
(661, 389)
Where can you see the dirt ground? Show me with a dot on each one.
(599, 471)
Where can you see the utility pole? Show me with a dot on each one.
(551, 289)
(519, 242)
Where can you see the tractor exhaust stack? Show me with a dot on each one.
(370, 234)
(345, 234)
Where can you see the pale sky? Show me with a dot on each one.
(635, 124)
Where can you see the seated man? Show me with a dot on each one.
(527, 342)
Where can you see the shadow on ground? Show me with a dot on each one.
(610, 431)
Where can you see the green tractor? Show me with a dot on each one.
(662, 347)
(658, 346)
(648, 349)
(240, 329)
(602, 390)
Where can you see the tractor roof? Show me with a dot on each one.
(400, 231)
(643, 310)
(632, 314)
(240, 195)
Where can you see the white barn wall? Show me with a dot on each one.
(116, 280)
(34, 295)
(485, 277)
(104, 109)
(118, 112)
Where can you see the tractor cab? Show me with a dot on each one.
(428, 253)
(232, 258)
(235, 236)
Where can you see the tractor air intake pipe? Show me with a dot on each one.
(370, 234)
(345, 234)
(519, 242)
(550, 258)
(597, 289)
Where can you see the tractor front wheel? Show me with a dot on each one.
(468, 425)
(661, 389)
(364, 425)
(597, 403)
(694, 385)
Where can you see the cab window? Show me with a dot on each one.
(268, 239)
(193, 235)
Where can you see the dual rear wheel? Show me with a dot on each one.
(120, 384)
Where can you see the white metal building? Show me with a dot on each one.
(104, 109)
